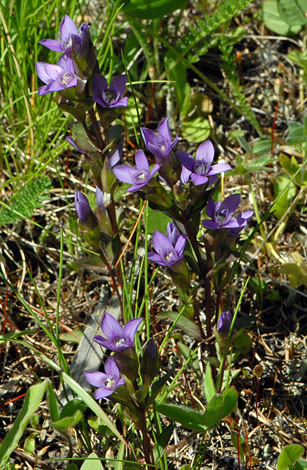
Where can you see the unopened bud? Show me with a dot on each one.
(224, 324)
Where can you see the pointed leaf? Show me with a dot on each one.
(219, 407)
(209, 385)
(188, 418)
(289, 455)
(92, 463)
(31, 402)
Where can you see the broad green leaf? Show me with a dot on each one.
(188, 418)
(300, 465)
(92, 463)
(297, 134)
(31, 402)
(272, 19)
(72, 337)
(69, 421)
(297, 274)
(151, 9)
(219, 407)
(196, 130)
(293, 12)
(156, 220)
(208, 384)
(71, 407)
(262, 146)
(282, 183)
(29, 445)
(289, 455)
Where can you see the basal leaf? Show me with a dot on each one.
(219, 407)
(293, 11)
(31, 402)
(188, 418)
(289, 455)
(92, 463)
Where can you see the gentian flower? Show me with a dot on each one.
(109, 96)
(83, 209)
(57, 77)
(69, 34)
(201, 169)
(159, 145)
(221, 214)
(169, 248)
(116, 337)
(82, 41)
(138, 176)
(224, 323)
(107, 381)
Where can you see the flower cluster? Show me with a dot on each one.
(76, 65)
(117, 339)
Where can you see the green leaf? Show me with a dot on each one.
(29, 445)
(31, 402)
(273, 21)
(52, 403)
(119, 464)
(71, 407)
(164, 437)
(262, 146)
(188, 418)
(219, 407)
(151, 9)
(68, 422)
(289, 455)
(297, 274)
(196, 130)
(209, 385)
(282, 183)
(300, 465)
(29, 198)
(72, 337)
(157, 219)
(293, 11)
(92, 463)
(297, 134)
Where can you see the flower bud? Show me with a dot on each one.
(150, 362)
(224, 324)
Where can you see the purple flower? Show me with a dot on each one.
(159, 145)
(68, 30)
(107, 381)
(116, 337)
(224, 323)
(109, 96)
(83, 209)
(201, 168)
(139, 175)
(221, 214)
(169, 248)
(81, 42)
(57, 77)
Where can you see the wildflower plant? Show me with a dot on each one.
(196, 252)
